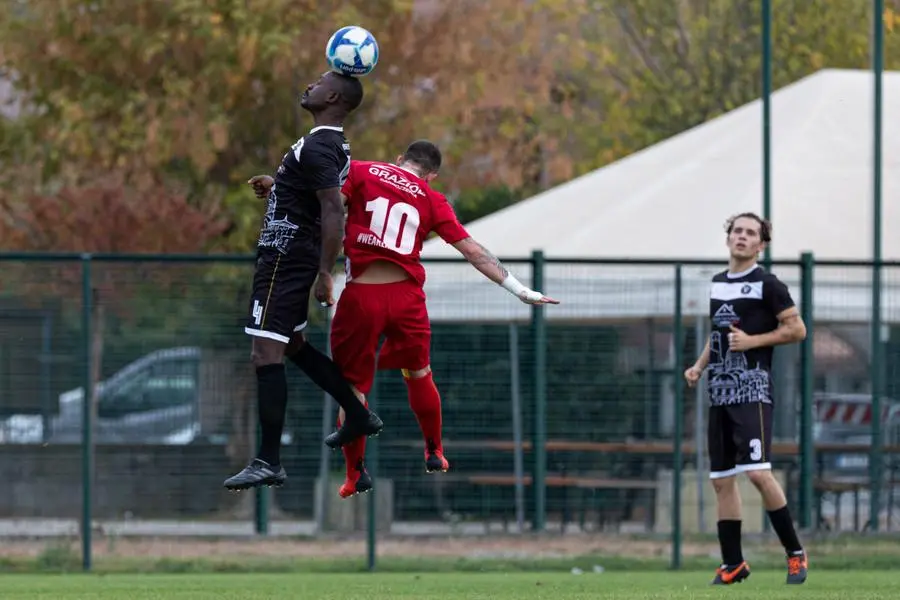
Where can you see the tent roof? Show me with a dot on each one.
(671, 200)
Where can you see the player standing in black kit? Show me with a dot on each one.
(751, 311)
(299, 244)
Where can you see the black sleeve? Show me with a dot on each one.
(323, 165)
(777, 295)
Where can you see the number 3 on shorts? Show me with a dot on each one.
(387, 224)
(755, 449)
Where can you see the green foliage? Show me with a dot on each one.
(205, 93)
(59, 556)
(649, 70)
(157, 82)
(477, 203)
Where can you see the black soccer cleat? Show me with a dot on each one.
(351, 430)
(257, 474)
(797, 568)
(729, 575)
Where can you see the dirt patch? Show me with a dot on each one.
(486, 547)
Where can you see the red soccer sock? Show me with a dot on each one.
(353, 453)
(425, 402)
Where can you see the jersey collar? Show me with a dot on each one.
(328, 127)
(742, 273)
(410, 171)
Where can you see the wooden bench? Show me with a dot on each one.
(586, 486)
(633, 447)
(647, 448)
(838, 489)
(559, 480)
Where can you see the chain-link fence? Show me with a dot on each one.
(562, 418)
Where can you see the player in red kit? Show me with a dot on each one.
(390, 211)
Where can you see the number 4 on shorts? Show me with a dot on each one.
(257, 312)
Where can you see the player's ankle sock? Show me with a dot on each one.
(327, 375)
(271, 385)
(425, 402)
(730, 541)
(783, 525)
(353, 453)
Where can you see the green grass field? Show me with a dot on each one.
(763, 584)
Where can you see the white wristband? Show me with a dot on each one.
(514, 286)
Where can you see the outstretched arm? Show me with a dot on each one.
(482, 259)
(490, 266)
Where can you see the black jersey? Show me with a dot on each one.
(751, 302)
(318, 160)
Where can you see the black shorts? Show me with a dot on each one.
(279, 303)
(739, 438)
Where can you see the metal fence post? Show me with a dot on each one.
(678, 432)
(766, 119)
(87, 412)
(261, 505)
(328, 423)
(371, 506)
(539, 327)
(806, 392)
(875, 464)
(516, 406)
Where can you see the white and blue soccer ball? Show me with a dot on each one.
(352, 51)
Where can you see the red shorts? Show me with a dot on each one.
(364, 313)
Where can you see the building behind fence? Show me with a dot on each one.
(559, 418)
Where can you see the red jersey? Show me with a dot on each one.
(390, 212)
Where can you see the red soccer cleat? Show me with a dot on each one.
(434, 458)
(357, 483)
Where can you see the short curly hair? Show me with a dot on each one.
(765, 226)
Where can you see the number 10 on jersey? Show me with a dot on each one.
(396, 225)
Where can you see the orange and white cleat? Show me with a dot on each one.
(728, 575)
(798, 565)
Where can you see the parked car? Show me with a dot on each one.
(153, 400)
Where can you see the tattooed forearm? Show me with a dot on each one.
(485, 257)
(482, 259)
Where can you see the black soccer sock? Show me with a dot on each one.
(783, 525)
(271, 385)
(730, 541)
(325, 374)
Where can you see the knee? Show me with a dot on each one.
(724, 486)
(261, 358)
(263, 353)
(418, 373)
(760, 479)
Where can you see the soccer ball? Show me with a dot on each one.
(352, 51)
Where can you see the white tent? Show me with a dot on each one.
(670, 201)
